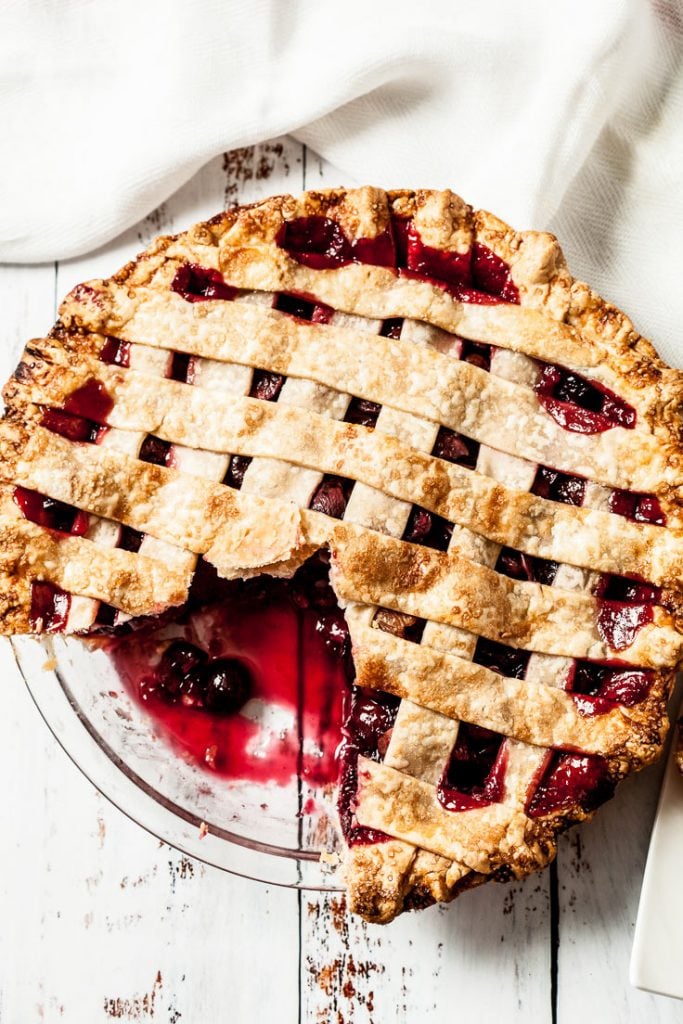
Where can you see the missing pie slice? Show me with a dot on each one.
(489, 452)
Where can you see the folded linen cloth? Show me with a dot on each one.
(567, 113)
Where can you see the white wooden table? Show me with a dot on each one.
(100, 922)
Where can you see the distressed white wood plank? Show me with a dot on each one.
(601, 869)
(101, 921)
(487, 955)
(442, 958)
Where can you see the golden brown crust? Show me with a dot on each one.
(387, 583)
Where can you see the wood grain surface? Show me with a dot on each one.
(101, 922)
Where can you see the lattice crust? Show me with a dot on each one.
(419, 375)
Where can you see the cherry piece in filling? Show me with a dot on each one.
(73, 428)
(49, 607)
(266, 385)
(226, 685)
(236, 470)
(475, 354)
(115, 352)
(581, 405)
(302, 306)
(641, 508)
(428, 529)
(182, 368)
(624, 607)
(556, 486)
(155, 451)
(571, 780)
(331, 496)
(621, 685)
(335, 632)
(507, 661)
(475, 775)
(320, 242)
(455, 448)
(200, 284)
(367, 731)
(52, 514)
(519, 566)
(491, 274)
(361, 412)
(91, 400)
(391, 328)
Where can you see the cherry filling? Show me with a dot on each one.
(491, 274)
(526, 567)
(455, 448)
(49, 607)
(52, 514)
(476, 275)
(92, 401)
(581, 405)
(641, 508)
(320, 243)
(238, 466)
(476, 354)
(617, 685)
(625, 606)
(507, 661)
(239, 648)
(155, 451)
(428, 529)
(367, 730)
(74, 428)
(331, 496)
(303, 307)
(556, 486)
(129, 539)
(182, 368)
(115, 352)
(266, 386)
(200, 284)
(571, 780)
(475, 775)
(392, 328)
(361, 412)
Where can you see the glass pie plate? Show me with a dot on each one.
(270, 832)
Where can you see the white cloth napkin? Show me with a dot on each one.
(564, 115)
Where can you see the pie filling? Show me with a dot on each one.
(207, 674)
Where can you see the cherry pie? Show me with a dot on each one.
(488, 450)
